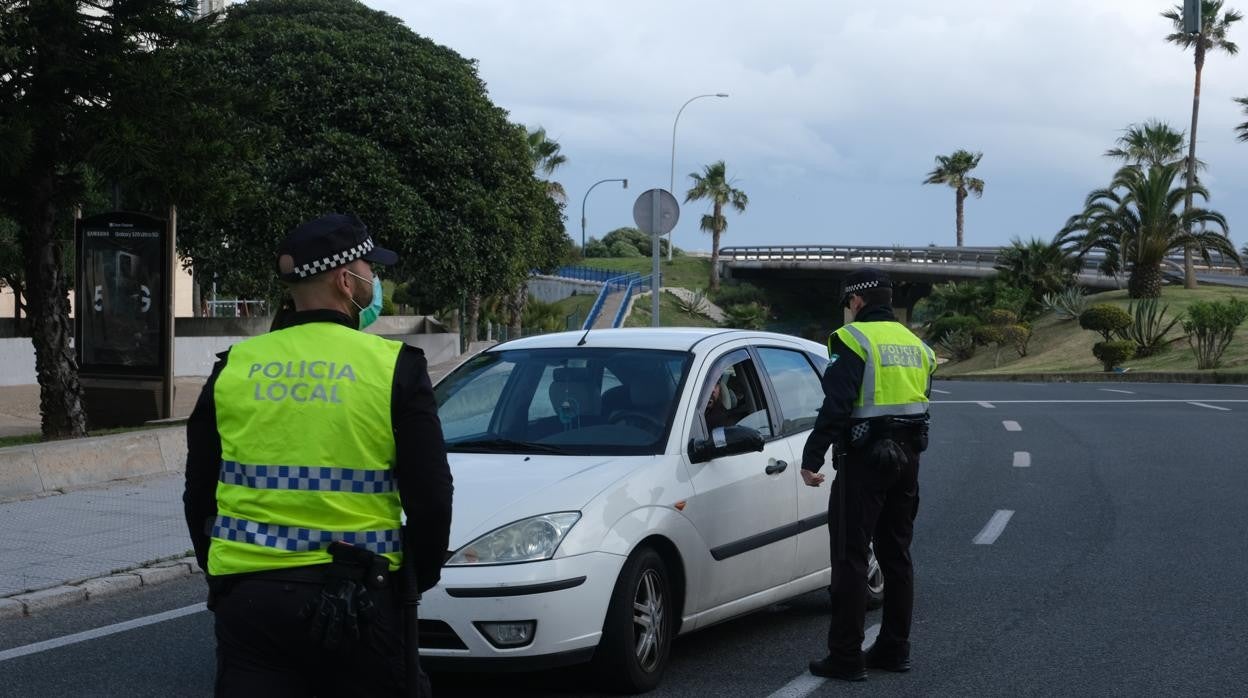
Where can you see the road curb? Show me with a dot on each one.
(151, 574)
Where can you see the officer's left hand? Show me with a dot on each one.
(811, 478)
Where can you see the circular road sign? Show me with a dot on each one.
(656, 212)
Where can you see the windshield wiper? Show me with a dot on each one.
(503, 446)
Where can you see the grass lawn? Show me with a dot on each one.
(683, 272)
(1061, 346)
(577, 306)
(669, 314)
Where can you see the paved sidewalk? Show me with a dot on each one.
(87, 543)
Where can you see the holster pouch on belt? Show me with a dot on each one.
(344, 603)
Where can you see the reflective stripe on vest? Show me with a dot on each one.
(902, 399)
(306, 478)
(307, 449)
(301, 540)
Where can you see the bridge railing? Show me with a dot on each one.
(636, 285)
(609, 286)
(964, 256)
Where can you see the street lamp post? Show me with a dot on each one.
(583, 198)
(672, 182)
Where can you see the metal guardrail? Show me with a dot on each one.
(641, 283)
(581, 273)
(236, 308)
(965, 256)
(615, 283)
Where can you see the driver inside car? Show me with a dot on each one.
(722, 405)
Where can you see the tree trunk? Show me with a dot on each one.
(961, 198)
(715, 213)
(47, 305)
(1189, 271)
(473, 314)
(516, 303)
(1145, 281)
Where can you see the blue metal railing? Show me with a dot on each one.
(642, 283)
(615, 283)
(587, 273)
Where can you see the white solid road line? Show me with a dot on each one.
(994, 527)
(1112, 390)
(806, 684)
(1125, 401)
(988, 405)
(1022, 459)
(99, 632)
(1211, 407)
(1011, 425)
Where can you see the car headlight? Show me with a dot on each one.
(526, 540)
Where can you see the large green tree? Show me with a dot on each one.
(1141, 218)
(70, 74)
(1215, 25)
(954, 170)
(363, 115)
(714, 185)
(1038, 267)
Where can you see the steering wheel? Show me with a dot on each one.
(636, 418)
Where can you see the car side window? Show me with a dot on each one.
(732, 396)
(797, 387)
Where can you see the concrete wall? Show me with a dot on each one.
(549, 289)
(62, 465)
(194, 356)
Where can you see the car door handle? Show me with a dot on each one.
(776, 467)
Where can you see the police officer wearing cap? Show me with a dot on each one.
(874, 415)
(305, 448)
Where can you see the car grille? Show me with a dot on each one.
(437, 635)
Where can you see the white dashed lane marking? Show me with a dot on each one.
(1210, 407)
(940, 392)
(994, 527)
(1022, 459)
(99, 632)
(988, 405)
(1011, 425)
(1112, 390)
(806, 684)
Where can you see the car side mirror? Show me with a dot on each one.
(725, 441)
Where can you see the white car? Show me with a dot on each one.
(598, 514)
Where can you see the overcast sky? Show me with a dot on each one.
(837, 109)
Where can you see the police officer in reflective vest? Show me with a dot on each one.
(874, 415)
(305, 448)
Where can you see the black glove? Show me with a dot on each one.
(887, 456)
(337, 612)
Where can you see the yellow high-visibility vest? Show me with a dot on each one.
(898, 369)
(307, 449)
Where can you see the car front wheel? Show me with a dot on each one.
(637, 632)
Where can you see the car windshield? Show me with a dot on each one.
(572, 401)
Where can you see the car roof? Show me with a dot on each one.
(669, 338)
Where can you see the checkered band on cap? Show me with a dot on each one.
(861, 286)
(333, 261)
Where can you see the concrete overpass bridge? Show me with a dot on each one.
(914, 270)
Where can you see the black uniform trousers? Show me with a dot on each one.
(872, 506)
(265, 649)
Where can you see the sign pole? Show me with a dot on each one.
(656, 223)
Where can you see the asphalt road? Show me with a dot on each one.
(1120, 570)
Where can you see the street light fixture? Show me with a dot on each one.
(672, 182)
(583, 198)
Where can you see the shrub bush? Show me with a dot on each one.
(1113, 353)
(943, 327)
(746, 316)
(738, 294)
(623, 248)
(1211, 326)
(1018, 336)
(1067, 304)
(1002, 317)
(958, 345)
(1149, 328)
(1108, 320)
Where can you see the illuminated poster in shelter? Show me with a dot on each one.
(121, 295)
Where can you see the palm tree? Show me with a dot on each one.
(545, 158)
(954, 170)
(1152, 143)
(1037, 266)
(1243, 128)
(1141, 218)
(713, 184)
(1212, 35)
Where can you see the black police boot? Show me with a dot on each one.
(887, 658)
(830, 668)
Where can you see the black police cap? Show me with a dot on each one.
(861, 280)
(325, 243)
